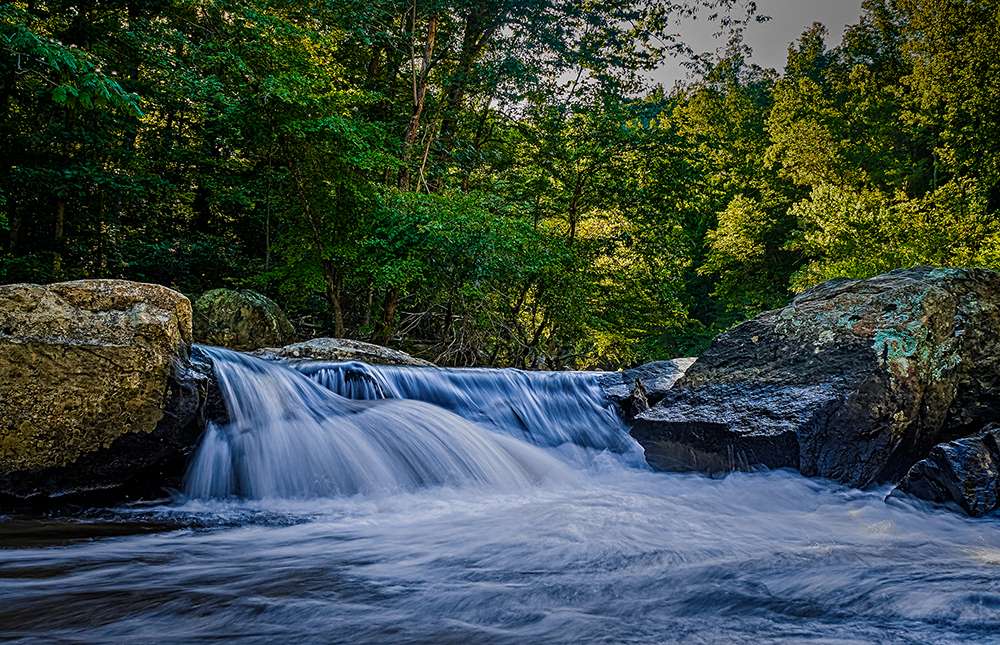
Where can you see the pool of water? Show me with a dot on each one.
(620, 555)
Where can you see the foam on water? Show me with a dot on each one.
(620, 556)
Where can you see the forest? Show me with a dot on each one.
(493, 182)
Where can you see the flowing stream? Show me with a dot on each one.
(346, 503)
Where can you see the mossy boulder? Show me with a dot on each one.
(95, 384)
(855, 380)
(240, 319)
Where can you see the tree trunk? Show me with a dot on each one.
(389, 315)
(481, 24)
(368, 307)
(334, 282)
(420, 86)
(15, 229)
(58, 235)
(331, 276)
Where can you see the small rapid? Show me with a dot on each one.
(289, 437)
(548, 409)
(504, 514)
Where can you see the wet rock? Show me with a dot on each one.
(240, 319)
(636, 403)
(656, 378)
(341, 350)
(964, 473)
(855, 380)
(97, 389)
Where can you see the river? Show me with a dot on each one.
(521, 513)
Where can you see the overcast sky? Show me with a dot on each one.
(770, 40)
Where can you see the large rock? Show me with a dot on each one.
(240, 319)
(96, 388)
(963, 473)
(341, 350)
(855, 380)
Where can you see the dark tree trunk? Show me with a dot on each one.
(334, 284)
(58, 236)
(389, 315)
(420, 86)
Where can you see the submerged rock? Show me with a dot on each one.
(97, 390)
(240, 319)
(965, 473)
(341, 350)
(855, 380)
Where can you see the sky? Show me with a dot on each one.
(770, 40)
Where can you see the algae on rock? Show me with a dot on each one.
(240, 319)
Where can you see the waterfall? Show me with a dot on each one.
(290, 437)
(544, 408)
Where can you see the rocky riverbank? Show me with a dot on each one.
(103, 396)
(855, 381)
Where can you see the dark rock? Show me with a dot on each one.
(963, 473)
(240, 319)
(855, 380)
(656, 378)
(636, 403)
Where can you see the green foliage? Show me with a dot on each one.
(491, 182)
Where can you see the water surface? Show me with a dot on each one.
(315, 518)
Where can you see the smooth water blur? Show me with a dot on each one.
(288, 437)
(625, 556)
(544, 408)
(311, 518)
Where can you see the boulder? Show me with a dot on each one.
(97, 391)
(341, 350)
(855, 380)
(964, 473)
(655, 379)
(240, 319)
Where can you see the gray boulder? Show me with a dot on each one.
(341, 350)
(655, 379)
(855, 380)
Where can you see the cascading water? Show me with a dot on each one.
(288, 437)
(544, 408)
(315, 518)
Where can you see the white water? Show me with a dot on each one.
(623, 556)
(288, 437)
(544, 408)
(479, 537)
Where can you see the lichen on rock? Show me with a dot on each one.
(240, 319)
(83, 363)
